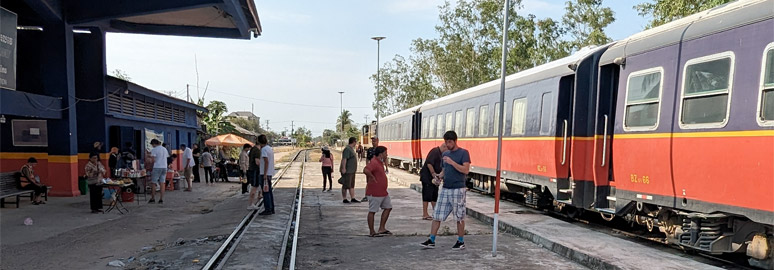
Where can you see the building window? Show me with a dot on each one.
(458, 122)
(470, 122)
(766, 111)
(643, 99)
(706, 91)
(483, 120)
(519, 116)
(440, 123)
(545, 114)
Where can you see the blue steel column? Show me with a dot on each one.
(59, 81)
(90, 71)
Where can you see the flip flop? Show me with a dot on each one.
(427, 218)
(385, 233)
(375, 235)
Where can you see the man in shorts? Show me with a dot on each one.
(159, 155)
(348, 168)
(188, 166)
(456, 166)
(430, 171)
(376, 191)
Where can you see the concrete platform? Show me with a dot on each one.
(334, 235)
(594, 249)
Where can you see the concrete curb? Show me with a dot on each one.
(575, 255)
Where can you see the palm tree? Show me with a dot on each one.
(344, 121)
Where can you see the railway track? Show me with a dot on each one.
(221, 256)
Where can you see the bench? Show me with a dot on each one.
(8, 189)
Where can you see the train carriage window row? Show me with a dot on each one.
(766, 106)
(706, 91)
(470, 123)
(643, 99)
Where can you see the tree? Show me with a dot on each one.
(664, 11)
(215, 119)
(330, 137)
(585, 21)
(121, 75)
(302, 136)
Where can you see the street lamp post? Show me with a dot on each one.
(341, 114)
(378, 82)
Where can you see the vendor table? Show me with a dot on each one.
(116, 201)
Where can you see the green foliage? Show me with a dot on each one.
(664, 11)
(121, 75)
(215, 118)
(348, 129)
(468, 49)
(329, 137)
(302, 136)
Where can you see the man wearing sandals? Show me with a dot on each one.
(376, 191)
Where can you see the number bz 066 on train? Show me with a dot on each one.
(672, 128)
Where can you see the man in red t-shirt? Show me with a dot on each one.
(376, 191)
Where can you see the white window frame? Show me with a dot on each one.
(483, 120)
(439, 122)
(449, 122)
(759, 111)
(660, 98)
(470, 122)
(424, 127)
(496, 119)
(458, 117)
(708, 58)
(431, 126)
(523, 119)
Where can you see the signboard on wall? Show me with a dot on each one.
(29, 133)
(150, 135)
(7, 49)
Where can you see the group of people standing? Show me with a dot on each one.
(257, 165)
(446, 165)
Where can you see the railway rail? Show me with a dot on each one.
(224, 252)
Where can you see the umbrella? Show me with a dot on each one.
(227, 140)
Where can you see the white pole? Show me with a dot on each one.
(495, 225)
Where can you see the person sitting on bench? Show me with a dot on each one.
(29, 181)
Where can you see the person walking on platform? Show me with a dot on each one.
(95, 171)
(376, 190)
(267, 171)
(360, 151)
(348, 168)
(426, 175)
(456, 166)
(188, 166)
(327, 168)
(159, 156)
(253, 174)
(197, 153)
(113, 161)
(244, 165)
(207, 161)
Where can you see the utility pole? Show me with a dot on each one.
(341, 115)
(495, 222)
(267, 125)
(378, 80)
(292, 131)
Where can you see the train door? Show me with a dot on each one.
(602, 164)
(416, 149)
(565, 132)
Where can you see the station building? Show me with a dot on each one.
(56, 98)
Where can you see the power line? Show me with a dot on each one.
(282, 102)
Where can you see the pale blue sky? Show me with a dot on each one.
(307, 53)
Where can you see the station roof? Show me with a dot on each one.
(201, 18)
(133, 87)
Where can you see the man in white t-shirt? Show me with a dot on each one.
(188, 165)
(266, 171)
(159, 155)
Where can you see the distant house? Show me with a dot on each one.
(245, 115)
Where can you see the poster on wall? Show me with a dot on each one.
(29, 132)
(150, 135)
(7, 49)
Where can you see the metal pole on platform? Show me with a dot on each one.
(495, 223)
(378, 82)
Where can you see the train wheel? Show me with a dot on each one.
(607, 217)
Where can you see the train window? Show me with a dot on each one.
(449, 121)
(643, 99)
(399, 131)
(545, 113)
(439, 131)
(706, 91)
(424, 127)
(496, 122)
(458, 122)
(519, 116)
(431, 126)
(470, 122)
(483, 120)
(766, 110)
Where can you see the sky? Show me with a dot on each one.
(307, 53)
